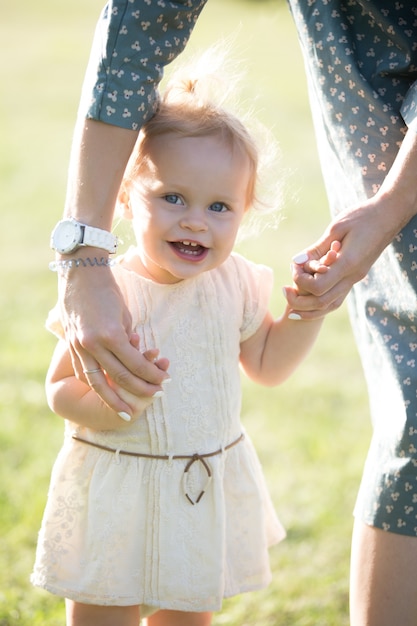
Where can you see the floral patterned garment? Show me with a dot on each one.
(134, 41)
(361, 65)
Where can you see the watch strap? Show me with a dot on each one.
(99, 238)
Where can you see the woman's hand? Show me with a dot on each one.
(363, 233)
(98, 329)
(138, 404)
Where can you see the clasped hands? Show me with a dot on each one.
(309, 297)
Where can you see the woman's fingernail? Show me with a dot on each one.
(158, 394)
(284, 291)
(294, 316)
(166, 380)
(125, 416)
(300, 258)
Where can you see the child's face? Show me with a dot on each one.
(188, 205)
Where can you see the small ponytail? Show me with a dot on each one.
(197, 102)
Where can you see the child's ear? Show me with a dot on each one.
(123, 203)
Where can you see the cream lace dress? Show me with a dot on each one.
(125, 530)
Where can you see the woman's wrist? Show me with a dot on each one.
(65, 264)
(96, 172)
(399, 189)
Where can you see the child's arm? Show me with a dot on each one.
(76, 401)
(272, 354)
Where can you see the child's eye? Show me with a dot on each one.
(218, 207)
(173, 198)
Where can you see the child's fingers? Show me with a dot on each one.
(322, 265)
(331, 256)
(134, 340)
(163, 364)
(312, 266)
(152, 355)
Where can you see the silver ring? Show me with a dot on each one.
(94, 371)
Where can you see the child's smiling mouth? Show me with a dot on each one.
(189, 249)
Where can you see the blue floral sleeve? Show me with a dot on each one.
(409, 107)
(133, 42)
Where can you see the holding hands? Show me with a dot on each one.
(362, 234)
(99, 338)
(138, 404)
(307, 272)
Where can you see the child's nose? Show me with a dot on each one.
(194, 219)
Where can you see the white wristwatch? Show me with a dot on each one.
(69, 235)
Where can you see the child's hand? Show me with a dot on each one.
(139, 403)
(321, 266)
(311, 268)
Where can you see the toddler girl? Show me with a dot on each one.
(164, 511)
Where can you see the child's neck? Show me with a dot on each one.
(133, 261)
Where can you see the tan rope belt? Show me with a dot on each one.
(192, 458)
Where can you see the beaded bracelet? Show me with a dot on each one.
(67, 264)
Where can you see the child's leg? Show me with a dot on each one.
(179, 618)
(91, 615)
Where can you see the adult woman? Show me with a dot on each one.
(361, 65)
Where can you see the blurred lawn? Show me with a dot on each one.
(311, 434)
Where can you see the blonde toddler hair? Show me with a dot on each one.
(193, 105)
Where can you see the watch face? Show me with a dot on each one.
(66, 236)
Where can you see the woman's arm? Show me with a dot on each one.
(119, 95)
(97, 323)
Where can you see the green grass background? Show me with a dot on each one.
(311, 433)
